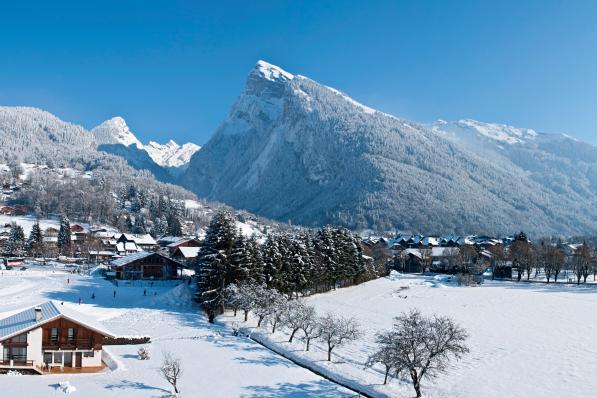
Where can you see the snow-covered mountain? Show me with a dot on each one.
(171, 154)
(295, 150)
(115, 131)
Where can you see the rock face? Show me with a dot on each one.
(295, 150)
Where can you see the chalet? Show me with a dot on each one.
(7, 210)
(146, 265)
(51, 231)
(141, 242)
(51, 336)
(166, 240)
(184, 243)
(186, 254)
(412, 260)
(443, 259)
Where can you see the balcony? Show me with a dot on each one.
(17, 364)
(74, 344)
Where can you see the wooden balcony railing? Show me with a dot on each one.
(68, 344)
(16, 362)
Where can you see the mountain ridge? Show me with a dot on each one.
(295, 150)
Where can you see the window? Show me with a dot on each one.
(88, 354)
(54, 335)
(57, 357)
(18, 353)
(22, 338)
(47, 357)
(71, 335)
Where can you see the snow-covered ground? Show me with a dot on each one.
(216, 363)
(526, 340)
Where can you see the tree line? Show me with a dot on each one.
(295, 263)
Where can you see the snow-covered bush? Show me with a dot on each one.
(143, 354)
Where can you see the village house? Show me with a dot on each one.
(146, 265)
(186, 242)
(132, 243)
(51, 337)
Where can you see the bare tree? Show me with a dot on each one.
(423, 346)
(555, 261)
(296, 315)
(336, 330)
(171, 370)
(581, 262)
(383, 355)
(267, 302)
(310, 327)
(279, 307)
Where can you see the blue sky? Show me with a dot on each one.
(172, 69)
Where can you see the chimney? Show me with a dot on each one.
(38, 314)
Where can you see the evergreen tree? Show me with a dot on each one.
(272, 260)
(64, 236)
(214, 270)
(174, 226)
(15, 245)
(35, 243)
(240, 260)
(256, 271)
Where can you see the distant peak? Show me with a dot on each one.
(271, 72)
(115, 131)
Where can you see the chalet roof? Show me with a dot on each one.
(119, 262)
(444, 251)
(50, 310)
(139, 239)
(189, 252)
(180, 242)
(127, 247)
(170, 239)
(131, 258)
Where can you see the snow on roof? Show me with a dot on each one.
(178, 242)
(130, 258)
(168, 238)
(50, 310)
(443, 251)
(189, 252)
(145, 240)
(140, 239)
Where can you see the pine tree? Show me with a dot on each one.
(35, 243)
(272, 260)
(240, 260)
(256, 271)
(15, 245)
(64, 236)
(214, 271)
(174, 226)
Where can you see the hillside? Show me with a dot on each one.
(295, 150)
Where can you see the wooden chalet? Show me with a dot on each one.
(183, 243)
(50, 336)
(146, 265)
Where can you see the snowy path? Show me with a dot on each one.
(216, 363)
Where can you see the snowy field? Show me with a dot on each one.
(526, 340)
(216, 364)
